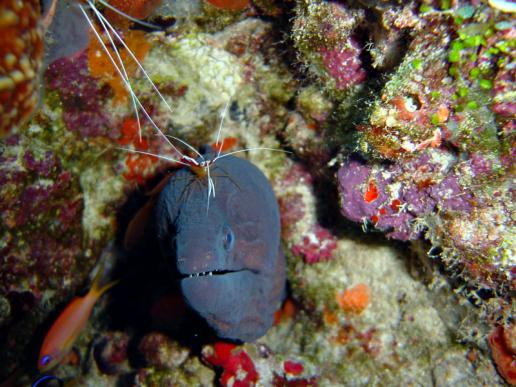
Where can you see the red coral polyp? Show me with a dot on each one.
(293, 368)
(139, 166)
(237, 367)
(372, 192)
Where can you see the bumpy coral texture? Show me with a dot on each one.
(405, 192)
(344, 65)
(21, 53)
(443, 126)
(324, 33)
(40, 234)
(83, 100)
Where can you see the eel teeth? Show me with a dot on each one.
(209, 273)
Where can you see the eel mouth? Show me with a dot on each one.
(208, 273)
(213, 273)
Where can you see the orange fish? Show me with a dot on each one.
(69, 325)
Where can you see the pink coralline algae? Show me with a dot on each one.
(41, 240)
(82, 98)
(27, 201)
(405, 192)
(44, 166)
(326, 35)
(317, 246)
(292, 206)
(344, 65)
(291, 212)
(301, 230)
(44, 213)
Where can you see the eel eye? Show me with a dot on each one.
(228, 237)
(45, 360)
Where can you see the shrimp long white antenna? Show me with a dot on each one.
(128, 17)
(105, 23)
(222, 116)
(171, 159)
(131, 54)
(126, 80)
(247, 150)
(125, 75)
(211, 188)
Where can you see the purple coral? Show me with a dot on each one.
(344, 65)
(353, 178)
(80, 94)
(405, 192)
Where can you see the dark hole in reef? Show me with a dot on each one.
(161, 22)
(412, 103)
(372, 32)
(235, 113)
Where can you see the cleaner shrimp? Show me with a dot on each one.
(199, 164)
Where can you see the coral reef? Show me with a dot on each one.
(395, 125)
(458, 194)
(324, 34)
(83, 100)
(41, 210)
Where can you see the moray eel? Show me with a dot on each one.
(228, 256)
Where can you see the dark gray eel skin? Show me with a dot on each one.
(229, 258)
